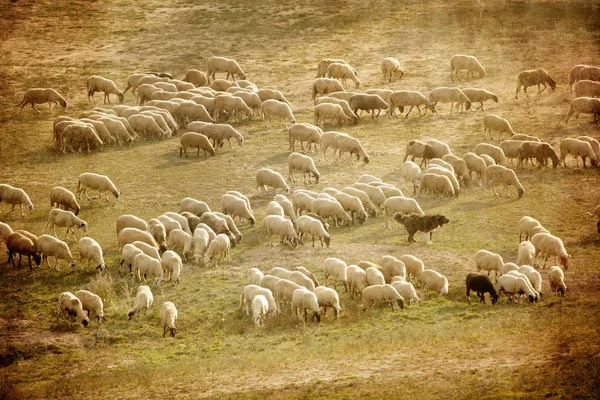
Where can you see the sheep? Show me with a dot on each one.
(575, 75)
(557, 280)
(143, 300)
(218, 250)
(181, 219)
(130, 221)
(267, 177)
(217, 224)
(578, 148)
(505, 176)
(488, 261)
(101, 183)
(366, 178)
(390, 68)
(449, 95)
(585, 105)
(398, 204)
(166, 86)
(276, 225)
(342, 71)
(475, 164)
(327, 297)
(76, 136)
(417, 148)
(91, 302)
(172, 265)
(147, 249)
(146, 126)
(375, 193)
(525, 253)
(180, 239)
(386, 294)
(393, 266)
(168, 315)
(311, 226)
(254, 276)
(99, 84)
(549, 245)
(433, 169)
(68, 303)
(194, 206)
(287, 206)
(323, 86)
(195, 140)
(411, 173)
(590, 72)
(102, 131)
(334, 267)
(133, 82)
(405, 98)
(436, 185)
(479, 96)
(541, 151)
(304, 132)
(275, 108)
(534, 77)
(251, 291)
(367, 102)
(300, 279)
(201, 240)
(325, 63)
(333, 113)
(38, 96)
(374, 276)
(49, 246)
(414, 266)
(118, 130)
(594, 143)
(353, 146)
(356, 279)
(481, 284)
(89, 249)
(493, 151)
(196, 77)
(233, 106)
(284, 290)
(493, 122)
(470, 63)
(271, 94)
(130, 235)
(459, 166)
(260, 308)
(65, 219)
(219, 132)
(307, 273)
(431, 279)
(534, 277)
(190, 111)
(169, 223)
(14, 196)
(303, 300)
(221, 64)
(22, 243)
(297, 161)
(512, 285)
(587, 88)
(5, 230)
(145, 265)
(353, 205)
(145, 92)
(511, 148)
(327, 208)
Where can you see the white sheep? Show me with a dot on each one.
(436, 185)
(327, 297)
(512, 285)
(267, 177)
(234, 106)
(169, 223)
(505, 176)
(374, 276)
(101, 183)
(65, 219)
(325, 63)
(179, 239)
(147, 249)
(493, 151)
(146, 126)
(353, 205)
(196, 77)
(493, 122)
(449, 95)
(194, 206)
(578, 148)
(284, 290)
(332, 113)
(168, 315)
(488, 261)
(251, 291)
(336, 268)
(218, 250)
(407, 291)
(311, 226)
(303, 300)
(260, 308)
(594, 143)
(14, 196)
(408, 98)
(128, 253)
(417, 148)
(304, 132)
(275, 108)
(342, 71)
(274, 208)
(39, 96)
(287, 206)
(307, 273)
(234, 233)
(99, 84)
(433, 169)
(549, 245)
(130, 221)
(375, 193)
(431, 279)
(195, 140)
(584, 105)
(143, 300)
(534, 277)
(201, 240)
(414, 266)
(221, 85)
(411, 173)
(367, 102)
(59, 196)
(5, 230)
(89, 249)
(587, 88)
(390, 68)
(219, 132)
(68, 303)
(556, 277)
(276, 225)
(237, 207)
(459, 62)
(49, 246)
(475, 163)
(526, 224)
(356, 280)
(172, 265)
(305, 164)
(323, 86)
(398, 204)
(393, 266)
(146, 266)
(526, 253)
(479, 96)
(385, 294)
(271, 94)
(254, 276)
(351, 145)
(222, 64)
(130, 235)
(328, 208)
(92, 303)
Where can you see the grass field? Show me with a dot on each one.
(442, 348)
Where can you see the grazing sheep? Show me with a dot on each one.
(221, 85)
(99, 84)
(180, 239)
(526, 224)
(267, 177)
(557, 280)
(541, 151)
(328, 297)
(488, 261)
(374, 276)
(219, 132)
(434, 169)
(5, 230)
(221, 64)
(24, 244)
(301, 279)
(366, 178)
(69, 304)
(578, 148)
(169, 223)
(237, 207)
(388, 190)
(143, 300)
(217, 224)
(65, 219)
(481, 284)
(328, 139)
(590, 72)
(323, 86)
(393, 266)
(146, 266)
(233, 106)
(311, 226)
(353, 205)
(436, 185)
(406, 290)
(342, 71)
(145, 92)
(190, 111)
(356, 279)
(424, 223)
(351, 145)
(133, 82)
(275, 108)
(130, 221)
(89, 249)
(251, 291)
(327, 208)
(549, 245)
(333, 113)
(479, 96)
(385, 294)
(218, 250)
(287, 206)
(594, 143)
(260, 308)
(417, 148)
(509, 266)
(284, 290)
(146, 125)
(91, 302)
(255, 276)
(375, 193)
(276, 225)
(493, 122)
(534, 277)
(128, 254)
(526, 253)
(201, 240)
(325, 63)
(368, 205)
(440, 149)
(76, 136)
(475, 164)
(101, 183)
(39, 96)
(459, 166)
(367, 102)
(584, 105)
(196, 77)
(147, 249)
(411, 172)
(49, 246)
(168, 315)
(575, 75)
(505, 176)
(449, 95)
(195, 140)
(414, 266)
(587, 88)
(271, 94)
(308, 274)
(390, 68)
(303, 300)
(399, 204)
(14, 196)
(172, 265)
(512, 285)
(493, 151)
(406, 98)
(305, 164)
(534, 77)
(102, 131)
(383, 93)
(433, 280)
(181, 219)
(470, 63)
(304, 132)
(130, 235)
(336, 268)
(511, 148)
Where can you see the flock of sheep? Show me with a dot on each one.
(157, 248)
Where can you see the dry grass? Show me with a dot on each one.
(443, 348)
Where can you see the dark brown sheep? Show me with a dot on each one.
(480, 284)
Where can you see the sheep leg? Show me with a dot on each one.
(543, 88)
(525, 90)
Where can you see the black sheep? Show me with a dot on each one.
(480, 284)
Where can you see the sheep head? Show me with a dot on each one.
(121, 97)
(327, 240)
